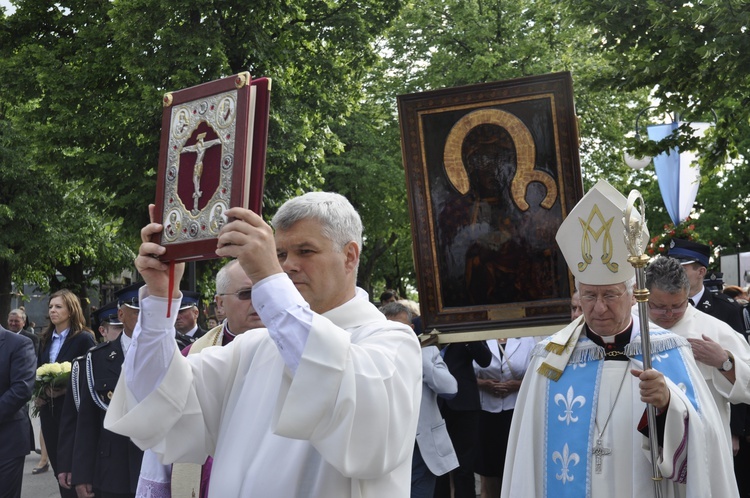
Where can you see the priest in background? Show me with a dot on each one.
(579, 426)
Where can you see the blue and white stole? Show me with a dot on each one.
(572, 400)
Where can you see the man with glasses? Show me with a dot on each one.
(722, 354)
(322, 403)
(579, 421)
(694, 258)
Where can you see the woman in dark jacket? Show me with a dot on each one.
(65, 339)
(461, 414)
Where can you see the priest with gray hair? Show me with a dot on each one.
(722, 354)
(323, 403)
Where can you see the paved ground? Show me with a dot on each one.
(40, 485)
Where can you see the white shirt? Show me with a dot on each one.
(697, 297)
(510, 365)
(57, 342)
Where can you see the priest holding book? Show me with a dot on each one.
(323, 403)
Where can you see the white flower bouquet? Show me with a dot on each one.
(51, 379)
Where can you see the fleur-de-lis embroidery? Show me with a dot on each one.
(569, 401)
(567, 460)
(659, 357)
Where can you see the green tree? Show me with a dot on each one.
(370, 174)
(436, 44)
(84, 82)
(693, 58)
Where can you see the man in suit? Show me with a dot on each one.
(17, 374)
(16, 320)
(186, 324)
(103, 462)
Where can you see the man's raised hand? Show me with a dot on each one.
(249, 239)
(155, 272)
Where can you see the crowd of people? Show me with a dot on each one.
(304, 388)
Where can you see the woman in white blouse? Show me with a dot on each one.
(498, 389)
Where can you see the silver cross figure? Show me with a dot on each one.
(599, 451)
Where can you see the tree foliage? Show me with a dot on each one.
(81, 82)
(693, 56)
(694, 59)
(81, 85)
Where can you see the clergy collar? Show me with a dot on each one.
(227, 337)
(226, 331)
(612, 348)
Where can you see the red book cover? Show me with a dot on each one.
(212, 157)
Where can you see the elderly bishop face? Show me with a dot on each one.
(592, 239)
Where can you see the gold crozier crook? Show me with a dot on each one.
(606, 243)
(525, 156)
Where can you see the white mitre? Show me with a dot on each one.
(592, 237)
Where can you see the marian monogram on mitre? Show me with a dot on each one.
(198, 182)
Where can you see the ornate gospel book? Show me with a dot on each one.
(212, 157)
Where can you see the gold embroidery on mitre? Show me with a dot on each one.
(607, 247)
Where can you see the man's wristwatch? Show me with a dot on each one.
(728, 364)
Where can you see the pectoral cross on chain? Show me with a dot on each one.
(599, 451)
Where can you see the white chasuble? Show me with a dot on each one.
(540, 462)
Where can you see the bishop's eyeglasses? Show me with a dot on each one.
(608, 297)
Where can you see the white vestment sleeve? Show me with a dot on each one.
(693, 441)
(732, 341)
(286, 314)
(189, 400)
(153, 343)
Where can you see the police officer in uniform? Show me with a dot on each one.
(106, 463)
(186, 326)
